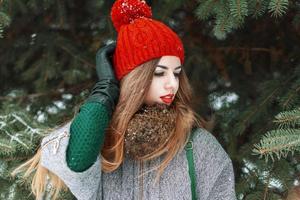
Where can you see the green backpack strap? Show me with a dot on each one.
(190, 158)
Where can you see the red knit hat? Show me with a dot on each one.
(140, 38)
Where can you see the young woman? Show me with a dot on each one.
(140, 131)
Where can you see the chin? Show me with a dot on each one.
(151, 103)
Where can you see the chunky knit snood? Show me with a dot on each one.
(149, 130)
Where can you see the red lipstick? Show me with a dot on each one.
(167, 98)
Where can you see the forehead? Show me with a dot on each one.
(169, 61)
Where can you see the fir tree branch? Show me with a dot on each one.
(5, 146)
(278, 7)
(270, 94)
(205, 9)
(260, 105)
(20, 132)
(87, 63)
(223, 24)
(288, 118)
(257, 8)
(292, 94)
(239, 9)
(279, 147)
(16, 138)
(258, 5)
(4, 21)
(16, 158)
(56, 92)
(279, 142)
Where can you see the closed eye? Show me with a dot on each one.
(177, 74)
(163, 73)
(159, 73)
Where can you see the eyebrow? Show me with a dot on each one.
(165, 67)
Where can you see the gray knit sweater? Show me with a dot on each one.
(214, 173)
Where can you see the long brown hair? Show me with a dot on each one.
(133, 89)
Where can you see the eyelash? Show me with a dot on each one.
(162, 74)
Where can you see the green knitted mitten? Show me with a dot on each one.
(88, 133)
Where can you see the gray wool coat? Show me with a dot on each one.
(214, 173)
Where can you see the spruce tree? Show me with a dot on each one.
(242, 59)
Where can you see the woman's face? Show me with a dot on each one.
(165, 81)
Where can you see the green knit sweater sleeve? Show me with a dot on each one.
(87, 134)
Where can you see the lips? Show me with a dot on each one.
(167, 98)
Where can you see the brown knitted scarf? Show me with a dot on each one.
(149, 129)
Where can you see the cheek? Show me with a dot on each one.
(177, 86)
(153, 93)
(156, 87)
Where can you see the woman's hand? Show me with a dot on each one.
(106, 90)
(104, 62)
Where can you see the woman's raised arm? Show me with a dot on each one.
(87, 131)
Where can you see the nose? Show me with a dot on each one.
(171, 82)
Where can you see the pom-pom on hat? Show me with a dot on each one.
(140, 38)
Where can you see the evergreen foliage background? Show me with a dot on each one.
(242, 58)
